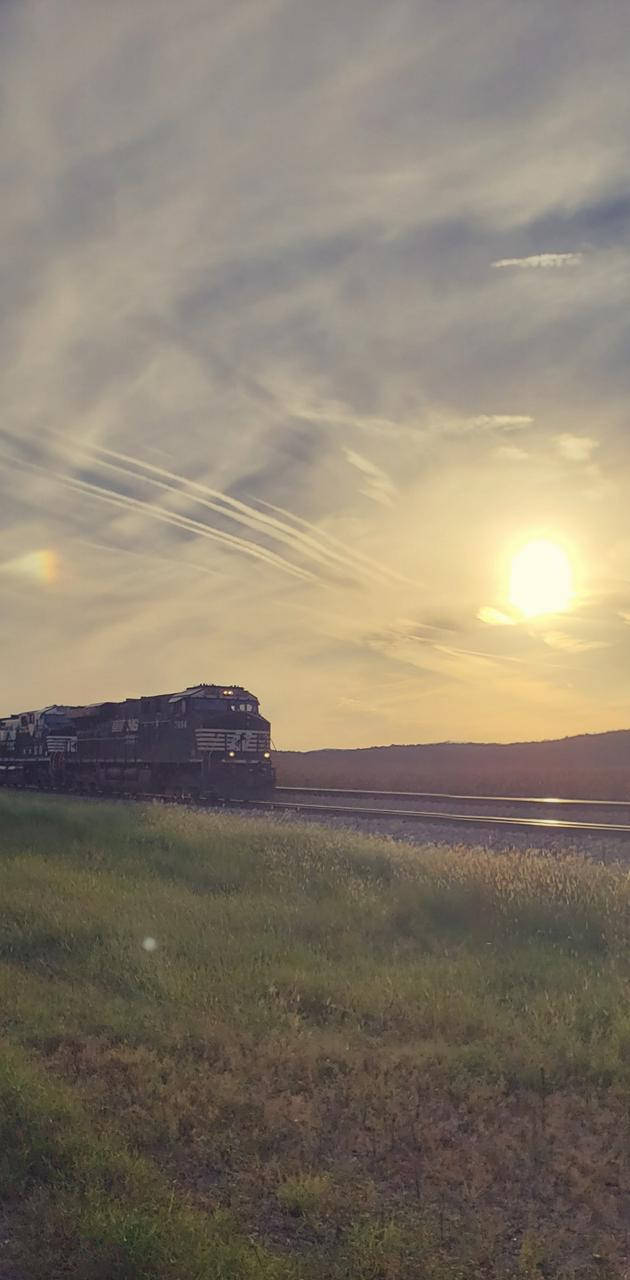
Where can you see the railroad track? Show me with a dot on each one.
(449, 797)
(436, 815)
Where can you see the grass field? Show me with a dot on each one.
(254, 1049)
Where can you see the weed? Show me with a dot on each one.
(304, 1195)
(342, 1057)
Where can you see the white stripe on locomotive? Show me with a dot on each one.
(215, 739)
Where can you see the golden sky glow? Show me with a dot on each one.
(315, 315)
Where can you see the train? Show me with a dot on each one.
(207, 741)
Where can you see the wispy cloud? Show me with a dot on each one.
(510, 453)
(494, 617)
(535, 261)
(576, 448)
(298, 535)
(509, 421)
(154, 512)
(305, 541)
(572, 644)
(377, 485)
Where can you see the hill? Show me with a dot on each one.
(596, 765)
(255, 1050)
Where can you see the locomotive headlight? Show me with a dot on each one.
(266, 754)
(231, 754)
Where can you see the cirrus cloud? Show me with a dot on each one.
(534, 261)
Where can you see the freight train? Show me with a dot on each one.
(207, 741)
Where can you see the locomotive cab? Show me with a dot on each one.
(231, 739)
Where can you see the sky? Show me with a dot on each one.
(313, 315)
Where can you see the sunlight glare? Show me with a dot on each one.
(541, 579)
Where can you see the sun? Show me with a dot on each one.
(541, 579)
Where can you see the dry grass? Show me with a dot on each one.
(344, 1058)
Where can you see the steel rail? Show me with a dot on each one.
(439, 816)
(443, 795)
(435, 816)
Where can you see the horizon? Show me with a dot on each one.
(315, 337)
(455, 742)
(373, 746)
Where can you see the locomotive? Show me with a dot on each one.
(207, 741)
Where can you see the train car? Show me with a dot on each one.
(208, 740)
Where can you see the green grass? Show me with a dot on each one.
(343, 1057)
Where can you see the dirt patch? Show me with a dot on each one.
(8, 1265)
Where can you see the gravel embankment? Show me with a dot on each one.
(593, 845)
(497, 807)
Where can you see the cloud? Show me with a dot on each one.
(377, 484)
(509, 421)
(510, 453)
(572, 644)
(494, 617)
(538, 260)
(576, 448)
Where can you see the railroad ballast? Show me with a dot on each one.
(207, 740)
